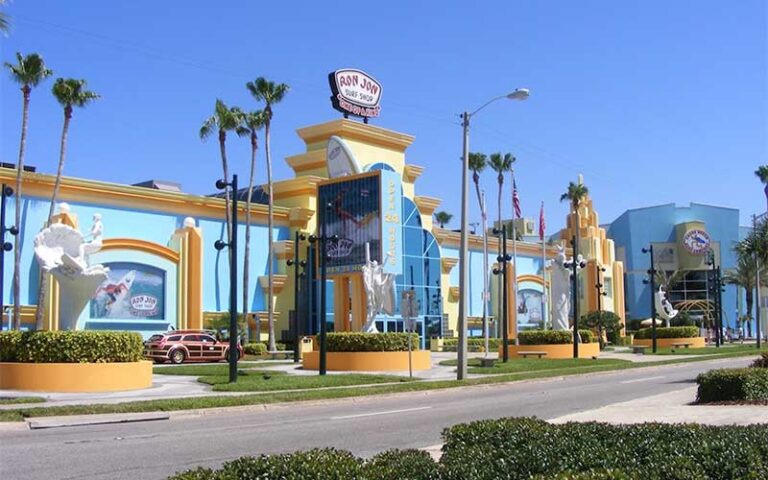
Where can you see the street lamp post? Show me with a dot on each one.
(600, 293)
(652, 282)
(503, 260)
(234, 353)
(5, 247)
(322, 248)
(296, 275)
(461, 370)
(715, 288)
(575, 264)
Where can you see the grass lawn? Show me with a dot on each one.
(725, 349)
(520, 365)
(19, 414)
(266, 380)
(209, 368)
(15, 400)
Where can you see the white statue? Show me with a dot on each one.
(664, 308)
(379, 289)
(560, 287)
(61, 251)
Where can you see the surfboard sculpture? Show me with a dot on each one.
(341, 160)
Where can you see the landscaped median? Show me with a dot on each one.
(670, 337)
(73, 361)
(735, 385)
(370, 352)
(551, 344)
(525, 448)
(266, 398)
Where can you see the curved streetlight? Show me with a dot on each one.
(461, 370)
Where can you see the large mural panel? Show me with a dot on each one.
(132, 291)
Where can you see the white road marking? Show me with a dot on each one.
(373, 414)
(646, 379)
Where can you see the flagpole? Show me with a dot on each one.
(514, 246)
(543, 269)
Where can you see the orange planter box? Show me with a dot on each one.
(369, 361)
(76, 377)
(565, 350)
(698, 342)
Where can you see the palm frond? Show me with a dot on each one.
(29, 70)
(71, 92)
(208, 127)
(762, 173)
(477, 162)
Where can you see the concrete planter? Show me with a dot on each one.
(76, 377)
(698, 342)
(565, 350)
(369, 361)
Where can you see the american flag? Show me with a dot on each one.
(516, 200)
(542, 223)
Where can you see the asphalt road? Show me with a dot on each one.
(365, 426)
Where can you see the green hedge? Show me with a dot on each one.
(473, 344)
(524, 448)
(761, 362)
(70, 347)
(370, 342)
(255, 348)
(732, 384)
(667, 332)
(553, 337)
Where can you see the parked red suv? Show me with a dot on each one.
(181, 346)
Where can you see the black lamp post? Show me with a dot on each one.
(6, 246)
(503, 259)
(296, 275)
(715, 289)
(232, 244)
(575, 263)
(599, 287)
(652, 282)
(322, 244)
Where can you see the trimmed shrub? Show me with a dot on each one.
(732, 384)
(545, 337)
(667, 332)
(587, 336)
(473, 344)
(255, 348)
(522, 448)
(761, 362)
(370, 342)
(197, 474)
(317, 464)
(621, 341)
(71, 347)
(401, 465)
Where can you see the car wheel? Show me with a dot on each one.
(178, 356)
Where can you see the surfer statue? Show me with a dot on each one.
(664, 308)
(61, 251)
(561, 270)
(379, 290)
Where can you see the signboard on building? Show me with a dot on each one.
(355, 93)
(132, 291)
(362, 209)
(696, 241)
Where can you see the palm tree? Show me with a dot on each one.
(743, 275)
(70, 93)
(501, 164)
(28, 72)
(575, 194)
(270, 93)
(223, 120)
(5, 20)
(762, 174)
(443, 218)
(477, 163)
(252, 123)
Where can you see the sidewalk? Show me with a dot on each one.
(672, 407)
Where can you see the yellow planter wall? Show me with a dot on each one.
(698, 342)
(586, 350)
(369, 361)
(76, 377)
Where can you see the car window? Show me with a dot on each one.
(155, 338)
(207, 338)
(192, 338)
(174, 338)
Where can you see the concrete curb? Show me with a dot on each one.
(98, 419)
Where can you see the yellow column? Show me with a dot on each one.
(359, 302)
(341, 304)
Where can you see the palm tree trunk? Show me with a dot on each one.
(270, 306)
(247, 253)
(41, 294)
(225, 168)
(16, 324)
(749, 301)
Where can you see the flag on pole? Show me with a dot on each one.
(516, 200)
(542, 223)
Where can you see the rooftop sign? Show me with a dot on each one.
(355, 93)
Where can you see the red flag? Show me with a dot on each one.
(542, 223)
(516, 200)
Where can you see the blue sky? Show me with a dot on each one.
(653, 101)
